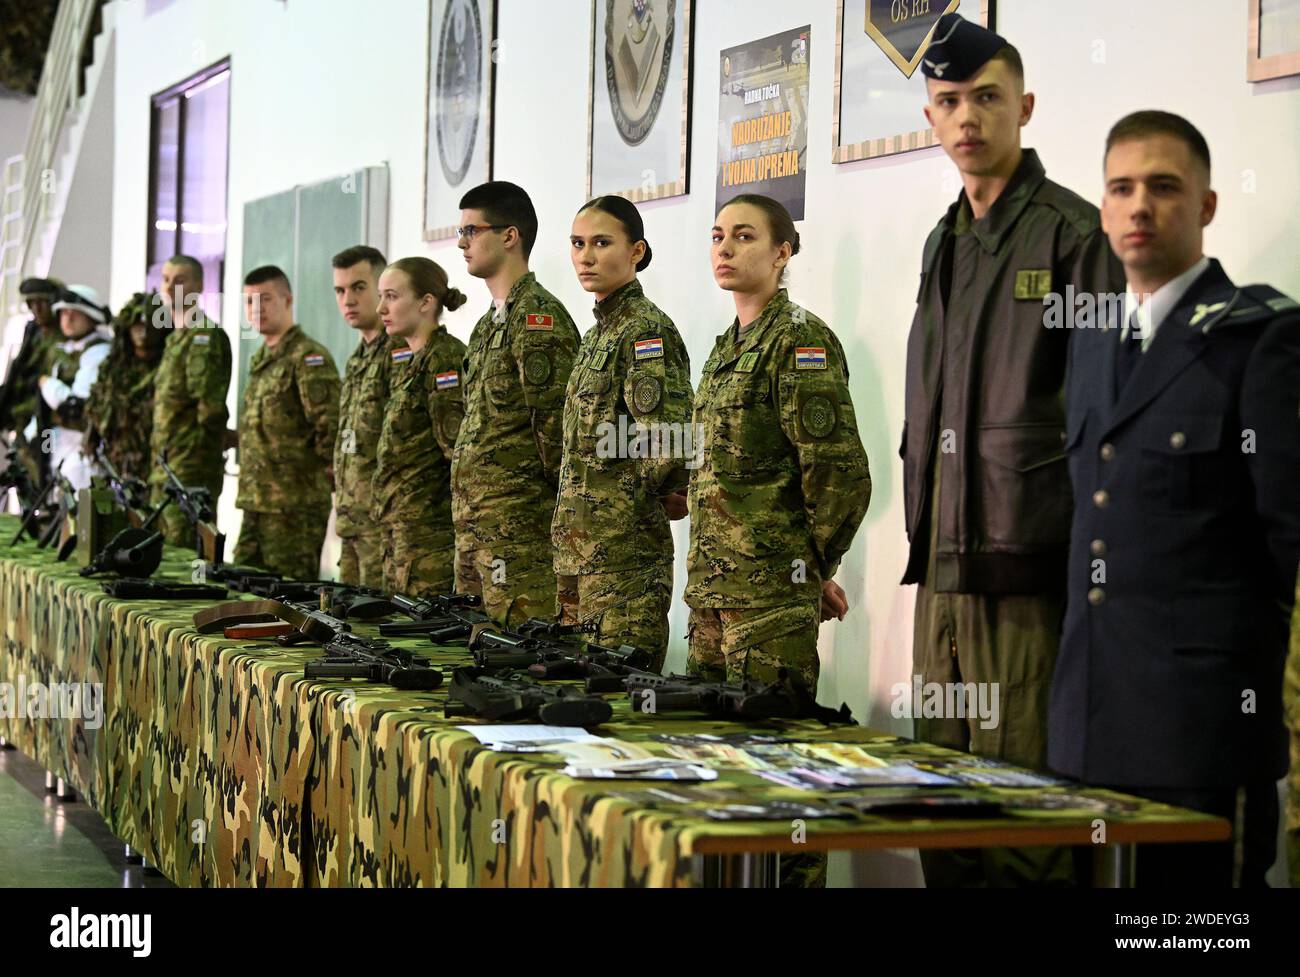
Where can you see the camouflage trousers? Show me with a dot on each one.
(629, 607)
(361, 560)
(417, 561)
(1009, 641)
(513, 589)
(287, 543)
(177, 530)
(732, 644)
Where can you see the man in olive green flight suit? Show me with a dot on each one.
(287, 427)
(986, 491)
(189, 400)
(505, 469)
(367, 381)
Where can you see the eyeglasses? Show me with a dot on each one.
(467, 232)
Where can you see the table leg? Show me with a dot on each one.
(1112, 866)
(748, 870)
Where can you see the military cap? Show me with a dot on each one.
(959, 49)
(36, 287)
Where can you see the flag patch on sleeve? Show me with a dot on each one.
(538, 321)
(403, 354)
(202, 339)
(448, 380)
(649, 349)
(314, 359)
(810, 358)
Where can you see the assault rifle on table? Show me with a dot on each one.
(67, 506)
(473, 692)
(499, 649)
(441, 618)
(197, 506)
(14, 476)
(348, 655)
(35, 512)
(783, 699)
(603, 668)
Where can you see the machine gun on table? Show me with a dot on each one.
(197, 506)
(136, 550)
(785, 698)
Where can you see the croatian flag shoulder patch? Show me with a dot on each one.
(538, 321)
(448, 380)
(649, 349)
(809, 358)
(202, 339)
(314, 359)
(403, 355)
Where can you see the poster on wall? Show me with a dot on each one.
(879, 88)
(458, 119)
(638, 100)
(763, 120)
(1273, 39)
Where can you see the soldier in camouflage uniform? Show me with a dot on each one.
(412, 480)
(288, 423)
(40, 336)
(119, 411)
(506, 464)
(365, 392)
(783, 482)
(613, 545)
(189, 394)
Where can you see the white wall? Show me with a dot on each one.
(83, 245)
(325, 86)
(16, 111)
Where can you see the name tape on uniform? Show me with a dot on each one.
(538, 321)
(448, 380)
(649, 349)
(314, 359)
(810, 358)
(402, 355)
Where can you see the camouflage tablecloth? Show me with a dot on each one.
(225, 767)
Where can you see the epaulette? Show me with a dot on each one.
(1252, 304)
(1080, 214)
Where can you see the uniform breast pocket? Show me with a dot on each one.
(501, 385)
(746, 432)
(1182, 467)
(593, 401)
